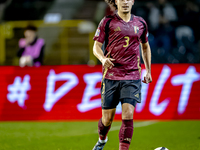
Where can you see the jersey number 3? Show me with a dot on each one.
(127, 41)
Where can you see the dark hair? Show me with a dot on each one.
(31, 27)
(111, 3)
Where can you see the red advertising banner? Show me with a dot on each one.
(73, 93)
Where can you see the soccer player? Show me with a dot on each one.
(122, 33)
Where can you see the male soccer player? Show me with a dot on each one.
(123, 33)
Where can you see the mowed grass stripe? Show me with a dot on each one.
(175, 135)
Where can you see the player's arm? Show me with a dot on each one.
(146, 55)
(97, 51)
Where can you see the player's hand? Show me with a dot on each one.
(147, 79)
(107, 62)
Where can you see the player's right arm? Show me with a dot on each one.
(97, 51)
(99, 38)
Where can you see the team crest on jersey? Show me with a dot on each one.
(136, 29)
(97, 32)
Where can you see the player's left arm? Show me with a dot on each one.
(146, 55)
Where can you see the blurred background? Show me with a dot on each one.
(68, 26)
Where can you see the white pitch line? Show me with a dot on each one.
(136, 125)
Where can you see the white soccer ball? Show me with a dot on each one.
(161, 148)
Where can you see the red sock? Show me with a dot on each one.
(103, 130)
(125, 134)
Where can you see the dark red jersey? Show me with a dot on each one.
(122, 40)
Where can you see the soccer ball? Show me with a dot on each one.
(161, 148)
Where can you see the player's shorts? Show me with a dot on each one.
(124, 91)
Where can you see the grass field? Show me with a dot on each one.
(175, 135)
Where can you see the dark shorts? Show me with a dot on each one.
(124, 91)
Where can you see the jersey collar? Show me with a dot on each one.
(132, 16)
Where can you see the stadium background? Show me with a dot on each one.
(68, 27)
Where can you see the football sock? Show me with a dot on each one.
(103, 130)
(125, 134)
(103, 141)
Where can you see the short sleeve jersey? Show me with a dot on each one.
(122, 40)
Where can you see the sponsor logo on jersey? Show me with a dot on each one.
(97, 32)
(117, 29)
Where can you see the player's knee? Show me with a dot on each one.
(107, 121)
(127, 114)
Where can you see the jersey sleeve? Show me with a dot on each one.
(100, 32)
(144, 36)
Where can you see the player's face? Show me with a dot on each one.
(124, 6)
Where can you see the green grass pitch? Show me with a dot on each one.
(175, 135)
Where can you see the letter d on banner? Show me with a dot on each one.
(53, 96)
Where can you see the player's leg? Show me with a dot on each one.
(126, 130)
(104, 125)
(130, 94)
(109, 97)
(105, 122)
